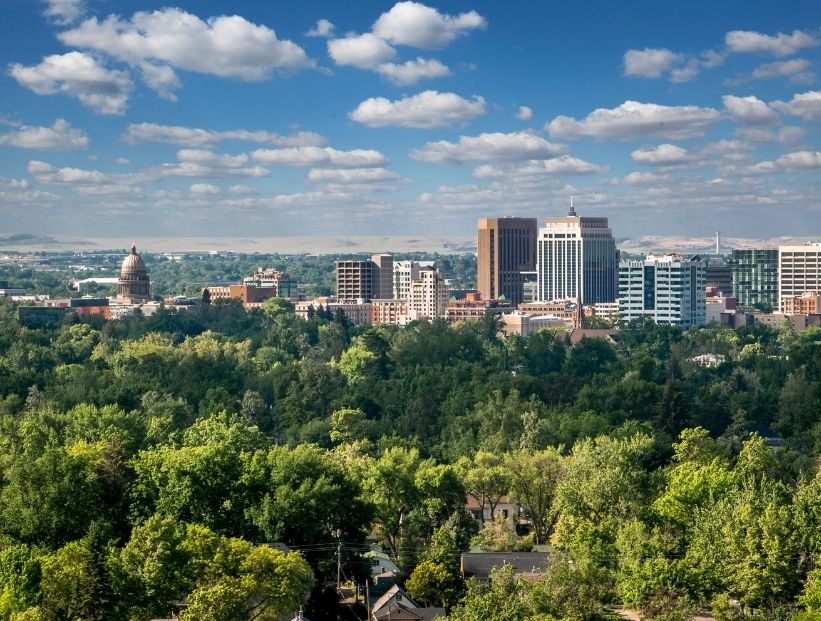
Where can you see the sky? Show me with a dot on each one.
(215, 118)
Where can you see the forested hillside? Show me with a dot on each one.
(147, 462)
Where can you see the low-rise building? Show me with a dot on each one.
(250, 295)
(524, 325)
(805, 304)
(473, 308)
(390, 312)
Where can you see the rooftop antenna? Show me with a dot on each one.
(572, 211)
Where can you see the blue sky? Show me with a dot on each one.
(360, 118)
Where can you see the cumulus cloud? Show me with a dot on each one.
(800, 161)
(748, 41)
(225, 46)
(205, 163)
(496, 147)
(805, 105)
(524, 114)
(412, 71)
(64, 12)
(321, 156)
(197, 137)
(661, 155)
(77, 75)
(46, 173)
(649, 62)
(204, 189)
(563, 165)
(59, 137)
(365, 51)
(240, 189)
(749, 110)
(645, 178)
(354, 175)
(634, 119)
(162, 79)
(425, 110)
(417, 25)
(797, 70)
(323, 28)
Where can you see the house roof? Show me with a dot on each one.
(382, 602)
(479, 564)
(593, 333)
(398, 612)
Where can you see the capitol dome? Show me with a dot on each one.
(134, 282)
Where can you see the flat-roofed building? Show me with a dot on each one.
(506, 249)
(669, 289)
(799, 270)
(249, 295)
(390, 311)
(805, 304)
(576, 259)
(429, 295)
(754, 274)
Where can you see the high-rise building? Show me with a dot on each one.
(799, 270)
(506, 248)
(404, 273)
(755, 277)
(133, 283)
(382, 276)
(354, 280)
(719, 273)
(364, 279)
(576, 260)
(669, 289)
(428, 296)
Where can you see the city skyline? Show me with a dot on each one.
(319, 118)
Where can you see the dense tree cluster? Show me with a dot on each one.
(157, 460)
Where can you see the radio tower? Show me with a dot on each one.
(718, 242)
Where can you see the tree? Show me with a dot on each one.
(500, 536)
(505, 598)
(486, 479)
(534, 477)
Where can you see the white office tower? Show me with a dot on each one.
(428, 295)
(799, 271)
(576, 259)
(404, 273)
(668, 288)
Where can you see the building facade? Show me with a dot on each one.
(404, 273)
(669, 289)
(364, 279)
(133, 282)
(799, 270)
(576, 259)
(281, 282)
(429, 295)
(506, 247)
(805, 304)
(754, 275)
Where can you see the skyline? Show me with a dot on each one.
(218, 119)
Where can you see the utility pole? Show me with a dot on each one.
(338, 567)
(368, 598)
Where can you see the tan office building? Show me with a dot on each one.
(506, 247)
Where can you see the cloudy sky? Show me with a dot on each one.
(364, 117)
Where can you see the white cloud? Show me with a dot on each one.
(495, 147)
(687, 72)
(355, 175)
(797, 69)
(749, 110)
(524, 114)
(197, 137)
(123, 161)
(365, 51)
(425, 110)
(225, 46)
(60, 136)
(162, 79)
(649, 62)
(240, 189)
(64, 12)
(805, 105)
(46, 173)
(747, 41)
(800, 160)
(634, 119)
(323, 28)
(205, 163)
(321, 156)
(662, 155)
(563, 165)
(77, 75)
(645, 178)
(418, 25)
(412, 71)
(204, 189)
